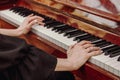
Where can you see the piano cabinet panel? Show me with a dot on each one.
(94, 72)
(4, 24)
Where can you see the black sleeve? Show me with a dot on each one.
(10, 50)
(39, 64)
(25, 61)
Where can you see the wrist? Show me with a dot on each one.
(73, 64)
(19, 32)
(63, 65)
(76, 63)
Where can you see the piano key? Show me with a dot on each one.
(94, 39)
(79, 36)
(117, 69)
(112, 66)
(69, 29)
(118, 59)
(65, 29)
(105, 62)
(110, 49)
(115, 53)
(58, 28)
(50, 22)
(86, 37)
(102, 43)
(56, 24)
(74, 33)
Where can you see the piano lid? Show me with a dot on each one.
(4, 4)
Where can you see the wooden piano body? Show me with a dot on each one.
(70, 12)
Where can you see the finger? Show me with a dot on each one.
(30, 15)
(95, 53)
(40, 22)
(90, 49)
(31, 23)
(34, 18)
(84, 42)
(87, 46)
(69, 49)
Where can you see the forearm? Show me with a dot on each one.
(10, 32)
(62, 65)
(67, 65)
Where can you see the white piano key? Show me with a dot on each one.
(113, 67)
(56, 38)
(117, 69)
(9, 15)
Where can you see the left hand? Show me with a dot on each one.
(27, 24)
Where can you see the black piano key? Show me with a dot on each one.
(93, 39)
(115, 53)
(106, 48)
(74, 33)
(103, 44)
(118, 59)
(36, 13)
(46, 20)
(65, 30)
(15, 9)
(90, 38)
(57, 28)
(100, 43)
(69, 32)
(50, 22)
(110, 49)
(86, 37)
(24, 13)
(56, 24)
(78, 37)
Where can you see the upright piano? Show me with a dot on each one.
(68, 22)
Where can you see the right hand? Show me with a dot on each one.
(79, 53)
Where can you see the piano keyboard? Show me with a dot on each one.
(63, 35)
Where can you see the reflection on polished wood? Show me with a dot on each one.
(75, 19)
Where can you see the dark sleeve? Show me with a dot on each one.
(10, 51)
(39, 64)
(26, 61)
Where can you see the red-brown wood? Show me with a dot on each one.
(90, 10)
(5, 4)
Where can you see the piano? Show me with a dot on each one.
(68, 22)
